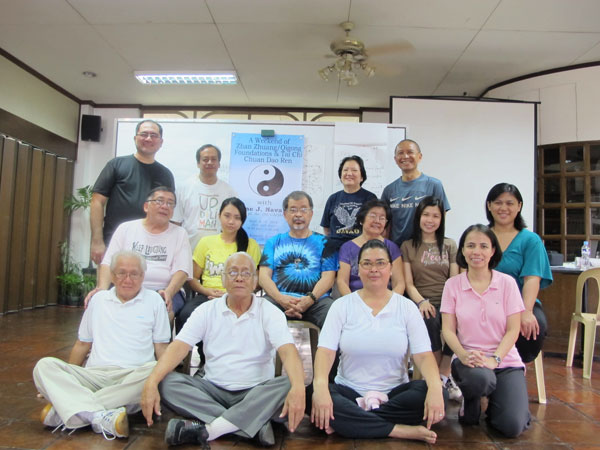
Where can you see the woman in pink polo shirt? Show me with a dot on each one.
(481, 318)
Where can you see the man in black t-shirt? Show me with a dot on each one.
(123, 185)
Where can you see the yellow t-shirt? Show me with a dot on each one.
(211, 253)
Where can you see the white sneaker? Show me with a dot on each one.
(111, 423)
(453, 390)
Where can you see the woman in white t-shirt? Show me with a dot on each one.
(374, 329)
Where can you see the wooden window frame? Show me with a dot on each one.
(564, 205)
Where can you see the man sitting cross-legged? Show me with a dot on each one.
(238, 393)
(125, 327)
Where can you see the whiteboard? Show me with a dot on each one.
(325, 144)
(471, 146)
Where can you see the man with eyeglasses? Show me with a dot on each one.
(238, 392)
(124, 331)
(404, 195)
(297, 268)
(200, 197)
(164, 245)
(123, 184)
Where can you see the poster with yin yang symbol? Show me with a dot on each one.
(263, 170)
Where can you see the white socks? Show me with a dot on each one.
(219, 427)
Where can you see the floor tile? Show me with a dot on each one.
(555, 410)
(584, 432)
(577, 396)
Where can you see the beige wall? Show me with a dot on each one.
(25, 96)
(570, 104)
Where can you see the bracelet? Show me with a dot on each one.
(424, 300)
(312, 296)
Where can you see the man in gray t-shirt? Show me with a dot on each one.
(404, 195)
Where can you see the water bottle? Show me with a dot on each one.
(585, 255)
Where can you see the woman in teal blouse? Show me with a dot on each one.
(525, 259)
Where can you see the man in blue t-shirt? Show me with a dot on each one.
(404, 195)
(297, 270)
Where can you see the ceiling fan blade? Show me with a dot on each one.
(384, 49)
(387, 71)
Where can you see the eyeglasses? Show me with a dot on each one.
(162, 202)
(377, 218)
(145, 135)
(133, 276)
(299, 210)
(233, 274)
(368, 265)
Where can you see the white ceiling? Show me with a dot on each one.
(277, 46)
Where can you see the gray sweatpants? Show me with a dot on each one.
(248, 409)
(508, 408)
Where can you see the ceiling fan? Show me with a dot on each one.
(352, 57)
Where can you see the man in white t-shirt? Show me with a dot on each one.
(200, 197)
(165, 247)
(125, 328)
(238, 392)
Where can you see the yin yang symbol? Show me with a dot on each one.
(266, 180)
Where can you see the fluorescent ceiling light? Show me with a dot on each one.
(206, 77)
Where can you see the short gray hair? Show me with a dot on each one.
(297, 195)
(235, 255)
(127, 254)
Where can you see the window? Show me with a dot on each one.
(569, 196)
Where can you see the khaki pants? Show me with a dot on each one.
(73, 389)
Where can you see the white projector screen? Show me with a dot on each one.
(470, 146)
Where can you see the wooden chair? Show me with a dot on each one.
(589, 321)
(539, 378)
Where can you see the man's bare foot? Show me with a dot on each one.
(329, 430)
(416, 432)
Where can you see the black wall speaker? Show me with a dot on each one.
(91, 127)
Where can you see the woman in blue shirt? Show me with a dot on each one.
(525, 259)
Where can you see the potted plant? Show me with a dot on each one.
(74, 282)
(82, 200)
(88, 282)
(71, 286)
(70, 280)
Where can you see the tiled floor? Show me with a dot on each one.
(571, 419)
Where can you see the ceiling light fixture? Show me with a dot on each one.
(183, 78)
(352, 58)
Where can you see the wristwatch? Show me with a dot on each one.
(498, 359)
(312, 296)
